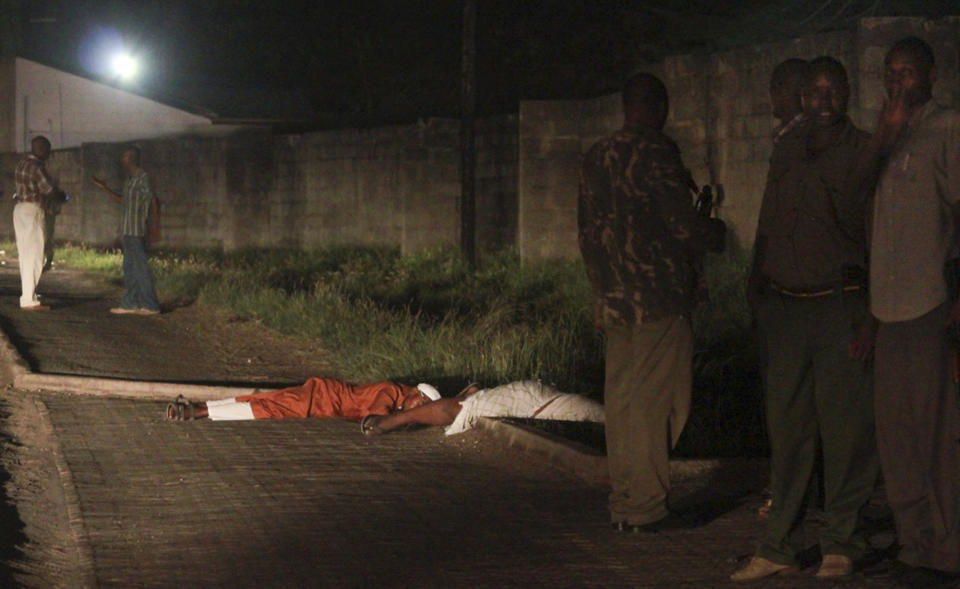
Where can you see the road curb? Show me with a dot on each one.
(572, 457)
(26, 379)
(580, 460)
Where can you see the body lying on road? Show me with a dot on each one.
(316, 398)
(384, 406)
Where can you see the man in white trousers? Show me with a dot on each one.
(33, 186)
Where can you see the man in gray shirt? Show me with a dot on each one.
(140, 297)
(915, 157)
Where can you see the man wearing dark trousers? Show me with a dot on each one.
(140, 297)
(814, 320)
(642, 244)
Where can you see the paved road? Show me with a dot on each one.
(110, 495)
(314, 503)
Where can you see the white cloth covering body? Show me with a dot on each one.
(524, 399)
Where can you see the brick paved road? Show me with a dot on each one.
(111, 495)
(314, 503)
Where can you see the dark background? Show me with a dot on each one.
(380, 61)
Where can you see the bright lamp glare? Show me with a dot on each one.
(124, 66)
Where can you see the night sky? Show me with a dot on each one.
(376, 61)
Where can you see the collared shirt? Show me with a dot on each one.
(136, 204)
(913, 228)
(812, 225)
(639, 234)
(32, 180)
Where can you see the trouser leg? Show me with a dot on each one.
(918, 427)
(229, 410)
(791, 426)
(647, 398)
(844, 400)
(28, 227)
(140, 292)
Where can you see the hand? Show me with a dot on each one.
(861, 348)
(98, 182)
(598, 314)
(893, 117)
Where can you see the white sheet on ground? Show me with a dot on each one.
(524, 399)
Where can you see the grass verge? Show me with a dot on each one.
(430, 317)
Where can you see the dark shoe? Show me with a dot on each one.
(923, 577)
(884, 569)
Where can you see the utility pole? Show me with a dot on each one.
(468, 152)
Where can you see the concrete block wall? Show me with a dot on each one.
(720, 116)
(396, 186)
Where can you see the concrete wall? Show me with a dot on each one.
(70, 110)
(720, 116)
(392, 186)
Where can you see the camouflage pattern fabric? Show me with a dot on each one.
(640, 236)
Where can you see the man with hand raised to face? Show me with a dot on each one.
(912, 165)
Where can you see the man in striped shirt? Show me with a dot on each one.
(33, 186)
(140, 297)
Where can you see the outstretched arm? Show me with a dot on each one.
(109, 191)
(441, 412)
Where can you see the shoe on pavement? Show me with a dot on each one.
(36, 308)
(758, 568)
(142, 311)
(926, 578)
(834, 566)
(123, 311)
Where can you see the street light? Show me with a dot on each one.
(124, 66)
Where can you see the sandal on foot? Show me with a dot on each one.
(369, 427)
(180, 410)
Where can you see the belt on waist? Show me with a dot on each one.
(809, 293)
(33, 199)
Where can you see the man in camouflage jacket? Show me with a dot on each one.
(642, 243)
